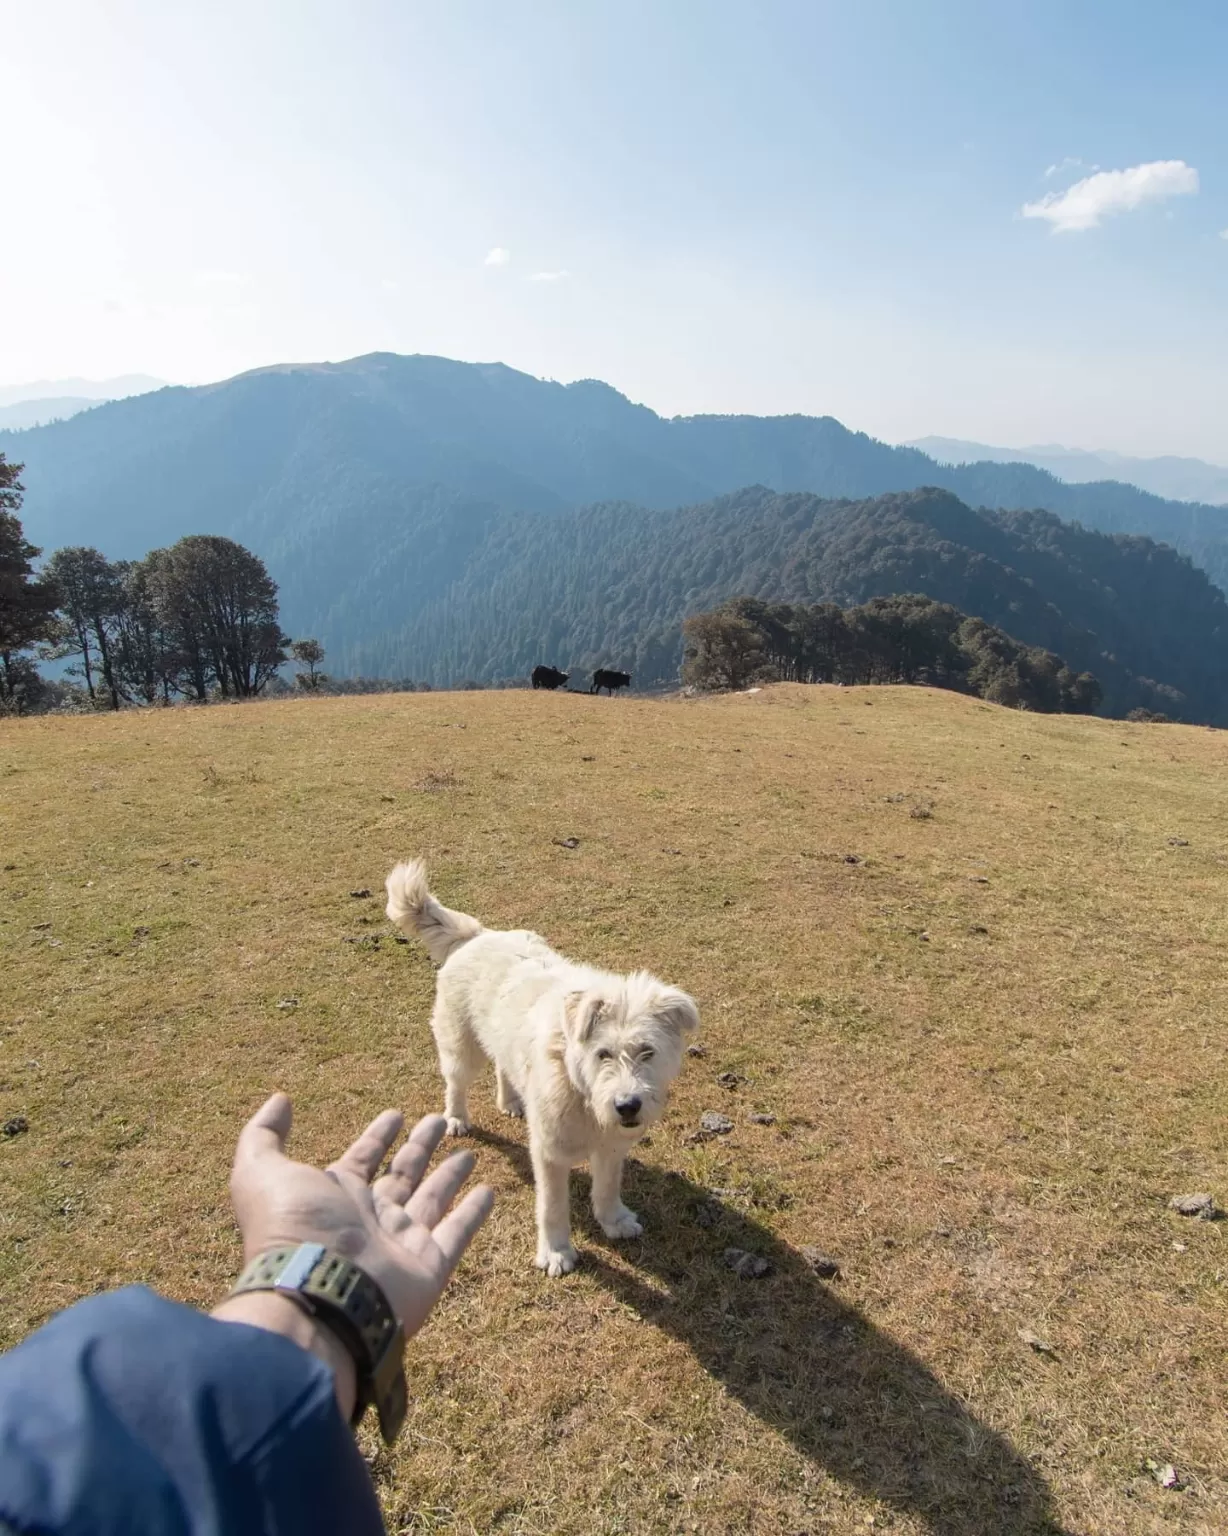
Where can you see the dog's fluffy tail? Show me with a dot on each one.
(414, 910)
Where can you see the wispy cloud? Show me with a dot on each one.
(1070, 163)
(498, 257)
(1223, 234)
(1085, 204)
(219, 277)
(549, 277)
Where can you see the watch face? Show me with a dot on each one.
(298, 1268)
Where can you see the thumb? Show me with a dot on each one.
(263, 1138)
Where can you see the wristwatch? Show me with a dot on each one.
(347, 1300)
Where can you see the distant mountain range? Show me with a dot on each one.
(1176, 478)
(31, 405)
(391, 496)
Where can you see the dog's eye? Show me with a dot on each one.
(648, 1054)
(604, 1055)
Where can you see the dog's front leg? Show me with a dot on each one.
(506, 1097)
(552, 1180)
(615, 1219)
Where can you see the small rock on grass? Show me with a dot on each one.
(360, 893)
(1034, 1341)
(1164, 1473)
(731, 1079)
(287, 1003)
(761, 1119)
(822, 1263)
(697, 1050)
(715, 1124)
(16, 1125)
(708, 1213)
(747, 1266)
(566, 842)
(1200, 1205)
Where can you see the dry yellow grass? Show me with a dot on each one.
(994, 1045)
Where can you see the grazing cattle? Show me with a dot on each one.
(549, 677)
(603, 678)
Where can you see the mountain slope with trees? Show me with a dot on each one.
(613, 583)
(366, 484)
(446, 520)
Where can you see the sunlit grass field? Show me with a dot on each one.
(973, 962)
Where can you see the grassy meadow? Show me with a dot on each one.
(972, 961)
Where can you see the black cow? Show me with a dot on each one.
(549, 677)
(611, 680)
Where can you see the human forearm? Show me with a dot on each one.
(279, 1314)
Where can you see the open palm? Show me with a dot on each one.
(399, 1229)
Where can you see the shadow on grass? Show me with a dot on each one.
(808, 1365)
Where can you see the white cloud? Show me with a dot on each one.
(1070, 163)
(1083, 205)
(1223, 234)
(216, 277)
(498, 257)
(550, 277)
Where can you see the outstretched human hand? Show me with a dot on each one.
(399, 1229)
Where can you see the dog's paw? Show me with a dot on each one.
(557, 1261)
(512, 1107)
(624, 1224)
(456, 1127)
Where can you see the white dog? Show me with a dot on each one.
(586, 1056)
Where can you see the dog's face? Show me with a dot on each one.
(624, 1048)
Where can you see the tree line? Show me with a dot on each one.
(904, 639)
(197, 620)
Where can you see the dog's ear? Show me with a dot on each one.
(677, 1011)
(581, 1012)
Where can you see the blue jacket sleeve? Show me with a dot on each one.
(129, 1413)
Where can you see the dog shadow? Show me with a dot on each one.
(857, 1404)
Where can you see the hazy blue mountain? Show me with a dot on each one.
(91, 390)
(1177, 478)
(33, 413)
(376, 488)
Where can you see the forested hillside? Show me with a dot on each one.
(426, 518)
(308, 463)
(613, 583)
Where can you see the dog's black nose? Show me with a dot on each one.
(628, 1107)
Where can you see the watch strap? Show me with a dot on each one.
(348, 1301)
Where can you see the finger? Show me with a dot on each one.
(405, 1173)
(435, 1194)
(392, 1218)
(362, 1158)
(457, 1230)
(264, 1135)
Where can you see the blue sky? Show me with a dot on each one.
(716, 207)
